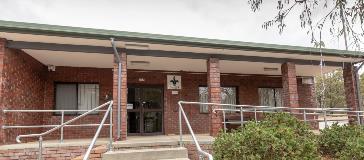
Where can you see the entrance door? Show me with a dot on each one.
(145, 110)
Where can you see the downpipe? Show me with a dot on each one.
(117, 60)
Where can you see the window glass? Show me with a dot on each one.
(204, 97)
(270, 96)
(66, 97)
(228, 96)
(77, 97)
(88, 96)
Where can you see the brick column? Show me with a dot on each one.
(289, 83)
(350, 88)
(213, 84)
(2, 115)
(124, 93)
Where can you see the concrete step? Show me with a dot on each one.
(147, 154)
(144, 145)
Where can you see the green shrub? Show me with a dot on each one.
(353, 150)
(342, 142)
(278, 136)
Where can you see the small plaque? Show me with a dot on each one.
(174, 82)
(174, 92)
(129, 106)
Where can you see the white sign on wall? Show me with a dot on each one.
(174, 82)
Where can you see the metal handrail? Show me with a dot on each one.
(108, 112)
(261, 109)
(30, 111)
(62, 115)
(40, 135)
(51, 126)
(325, 112)
(182, 113)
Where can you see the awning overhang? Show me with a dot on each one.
(85, 47)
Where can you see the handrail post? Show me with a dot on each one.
(304, 116)
(40, 148)
(255, 114)
(224, 120)
(358, 117)
(325, 119)
(62, 121)
(241, 117)
(180, 123)
(110, 130)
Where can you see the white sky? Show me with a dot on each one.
(217, 19)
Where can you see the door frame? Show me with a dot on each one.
(142, 116)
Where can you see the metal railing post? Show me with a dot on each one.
(94, 139)
(241, 117)
(62, 121)
(358, 117)
(180, 124)
(325, 119)
(255, 114)
(40, 149)
(199, 150)
(110, 130)
(304, 116)
(224, 120)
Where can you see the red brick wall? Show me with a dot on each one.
(214, 88)
(306, 94)
(289, 84)
(49, 153)
(22, 87)
(193, 153)
(349, 85)
(350, 88)
(124, 92)
(77, 75)
(247, 89)
(26, 84)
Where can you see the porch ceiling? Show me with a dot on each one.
(59, 58)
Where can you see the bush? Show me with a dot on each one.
(343, 142)
(278, 136)
(353, 150)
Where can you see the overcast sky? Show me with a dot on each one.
(217, 19)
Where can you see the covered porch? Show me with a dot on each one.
(47, 71)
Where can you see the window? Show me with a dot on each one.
(228, 96)
(270, 97)
(72, 96)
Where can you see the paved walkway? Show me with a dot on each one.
(202, 138)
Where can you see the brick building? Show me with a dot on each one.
(47, 67)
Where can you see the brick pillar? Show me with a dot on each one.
(2, 115)
(213, 84)
(350, 88)
(289, 83)
(124, 92)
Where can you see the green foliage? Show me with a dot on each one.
(278, 136)
(339, 18)
(342, 142)
(353, 150)
(333, 94)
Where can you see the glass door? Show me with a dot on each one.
(145, 110)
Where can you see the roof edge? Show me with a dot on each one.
(91, 33)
